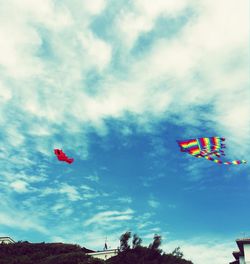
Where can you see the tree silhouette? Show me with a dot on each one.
(136, 242)
(45, 253)
(142, 255)
(60, 253)
(156, 242)
(124, 241)
(177, 253)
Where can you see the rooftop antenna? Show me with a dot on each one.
(105, 245)
(243, 234)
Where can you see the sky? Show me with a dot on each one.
(114, 84)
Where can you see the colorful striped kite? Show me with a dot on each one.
(208, 148)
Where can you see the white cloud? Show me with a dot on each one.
(142, 17)
(20, 186)
(89, 193)
(48, 52)
(47, 191)
(161, 7)
(70, 191)
(16, 216)
(5, 93)
(106, 217)
(215, 252)
(86, 188)
(73, 193)
(14, 136)
(152, 202)
(199, 68)
(94, 178)
(203, 65)
(62, 209)
(99, 52)
(18, 220)
(12, 57)
(125, 200)
(94, 7)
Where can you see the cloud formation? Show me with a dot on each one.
(212, 50)
(199, 252)
(66, 71)
(104, 218)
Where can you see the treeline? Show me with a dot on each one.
(137, 254)
(59, 253)
(44, 253)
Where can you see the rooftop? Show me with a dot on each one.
(4, 238)
(237, 255)
(240, 242)
(234, 262)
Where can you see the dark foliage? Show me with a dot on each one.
(44, 253)
(177, 253)
(136, 241)
(143, 255)
(156, 243)
(59, 253)
(170, 259)
(124, 241)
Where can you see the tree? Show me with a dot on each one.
(45, 253)
(156, 243)
(177, 253)
(145, 255)
(136, 242)
(124, 241)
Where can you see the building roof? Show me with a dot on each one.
(234, 262)
(7, 238)
(237, 255)
(103, 251)
(240, 242)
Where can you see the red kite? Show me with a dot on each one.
(62, 156)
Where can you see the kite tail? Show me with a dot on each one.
(233, 162)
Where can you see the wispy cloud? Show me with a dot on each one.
(168, 88)
(152, 202)
(93, 177)
(23, 222)
(70, 191)
(106, 217)
(62, 209)
(124, 200)
(17, 216)
(145, 221)
(142, 15)
(20, 186)
(64, 77)
(203, 253)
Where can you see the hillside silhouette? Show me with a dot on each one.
(60, 253)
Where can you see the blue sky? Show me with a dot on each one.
(115, 84)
